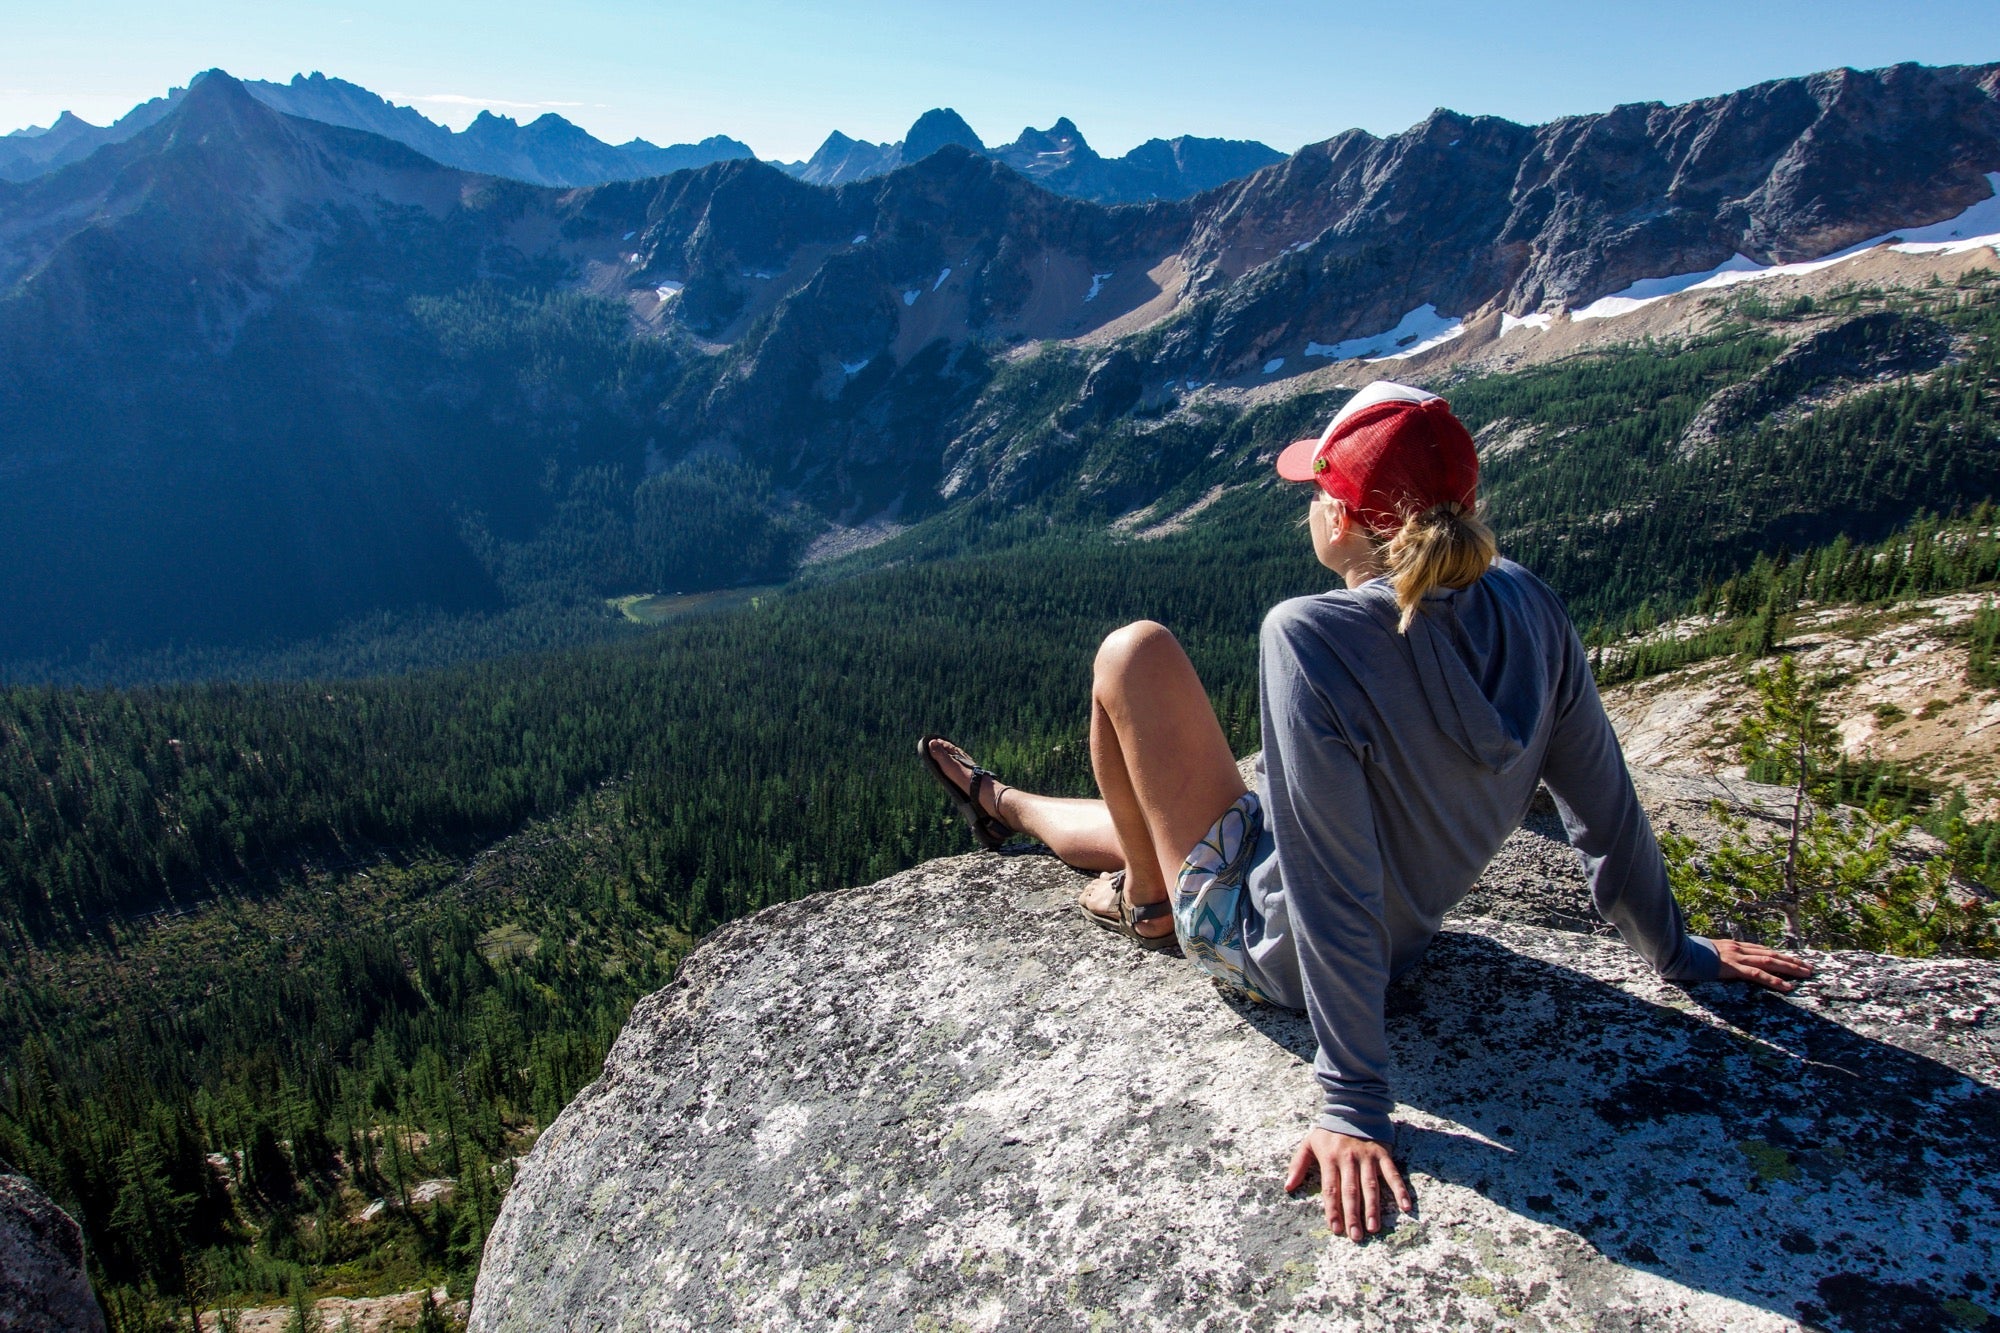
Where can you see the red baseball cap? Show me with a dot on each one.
(1390, 451)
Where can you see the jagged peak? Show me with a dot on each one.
(1063, 136)
(216, 96)
(935, 129)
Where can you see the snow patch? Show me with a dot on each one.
(1097, 281)
(940, 279)
(1978, 227)
(632, 258)
(860, 238)
(1418, 331)
(853, 368)
(1274, 365)
(910, 297)
(1538, 322)
(667, 291)
(1648, 290)
(628, 235)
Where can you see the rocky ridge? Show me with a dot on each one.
(1058, 158)
(945, 1100)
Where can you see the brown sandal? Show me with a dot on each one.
(990, 832)
(1129, 916)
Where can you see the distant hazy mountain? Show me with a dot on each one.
(26, 154)
(1057, 157)
(546, 151)
(552, 151)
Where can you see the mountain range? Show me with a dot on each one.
(1057, 158)
(552, 151)
(263, 374)
(547, 151)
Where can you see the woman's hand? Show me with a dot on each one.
(1354, 1174)
(1759, 965)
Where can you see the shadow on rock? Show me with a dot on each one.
(1726, 1139)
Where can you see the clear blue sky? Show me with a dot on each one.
(779, 74)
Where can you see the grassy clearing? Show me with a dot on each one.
(657, 608)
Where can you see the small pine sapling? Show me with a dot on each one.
(1826, 876)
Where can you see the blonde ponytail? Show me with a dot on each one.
(1446, 546)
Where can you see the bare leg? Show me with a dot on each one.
(1075, 829)
(1161, 762)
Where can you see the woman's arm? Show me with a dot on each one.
(1585, 771)
(1322, 818)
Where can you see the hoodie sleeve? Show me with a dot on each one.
(1323, 820)
(1585, 770)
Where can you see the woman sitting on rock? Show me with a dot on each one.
(1407, 719)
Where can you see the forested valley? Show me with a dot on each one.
(297, 965)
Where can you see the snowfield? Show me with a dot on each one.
(1418, 331)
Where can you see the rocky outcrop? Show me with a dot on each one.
(43, 1285)
(944, 1100)
(1859, 352)
(1111, 389)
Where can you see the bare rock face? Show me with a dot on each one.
(946, 1101)
(42, 1281)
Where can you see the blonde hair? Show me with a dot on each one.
(1445, 546)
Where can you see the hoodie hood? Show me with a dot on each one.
(1483, 666)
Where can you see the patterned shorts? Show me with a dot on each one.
(1209, 897)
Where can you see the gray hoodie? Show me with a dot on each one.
(1393, 768)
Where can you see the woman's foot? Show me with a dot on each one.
(977, 793)
(1106, 901)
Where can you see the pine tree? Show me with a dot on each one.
(1828, 876)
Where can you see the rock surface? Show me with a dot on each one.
(945, 1101)
(43, 1285)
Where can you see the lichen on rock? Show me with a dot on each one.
(945, 1101)
(43, 1285)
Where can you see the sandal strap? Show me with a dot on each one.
(992, 781)
(1133, 912)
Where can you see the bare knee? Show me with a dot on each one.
(1130, 648)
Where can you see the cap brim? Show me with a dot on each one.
(1296, 462)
